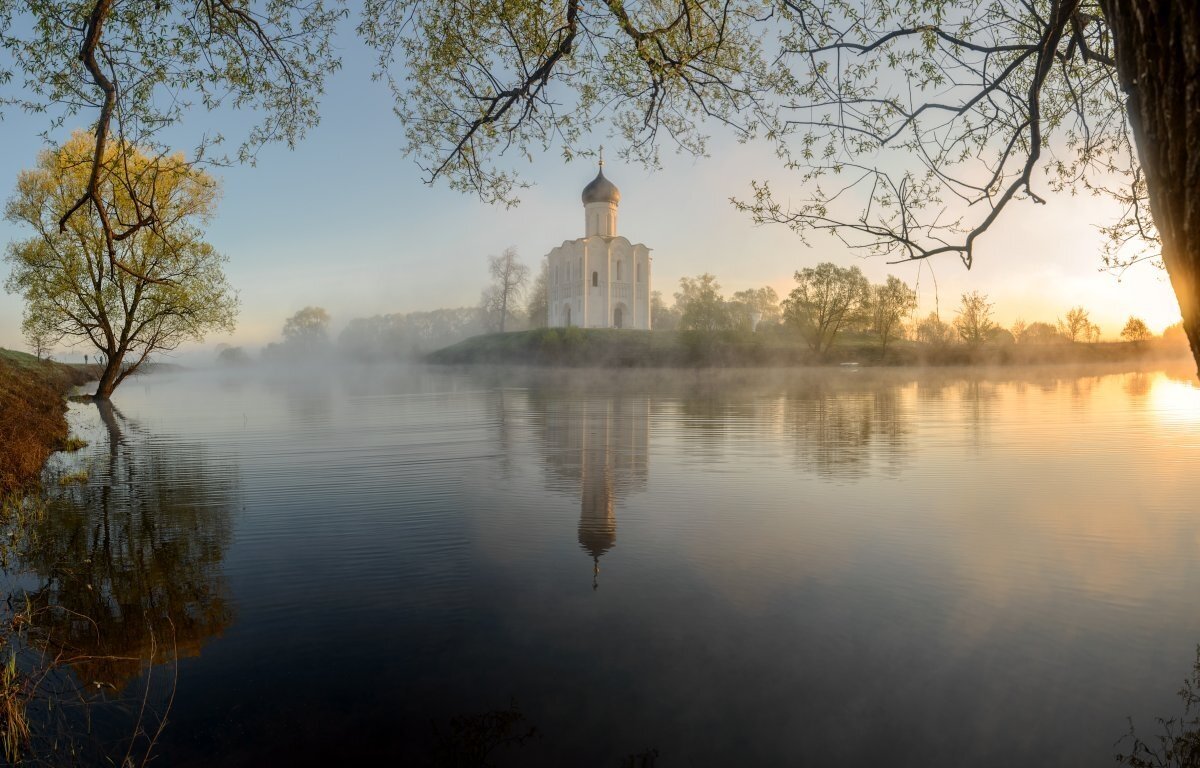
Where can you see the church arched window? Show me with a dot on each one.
(595, 279)
(618, 270)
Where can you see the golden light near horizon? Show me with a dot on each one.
(1176, 402)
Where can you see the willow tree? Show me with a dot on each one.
(168, 286)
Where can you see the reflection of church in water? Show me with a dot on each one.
(600, 444)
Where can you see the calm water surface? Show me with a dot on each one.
(841, 567)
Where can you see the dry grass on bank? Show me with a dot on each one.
(32, 415)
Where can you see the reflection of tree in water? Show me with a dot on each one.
(840, 427)
(1138, 384)
(597, 444)
(127, 567)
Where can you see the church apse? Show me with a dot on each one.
(597, 446)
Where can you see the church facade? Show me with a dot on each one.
(600, 280)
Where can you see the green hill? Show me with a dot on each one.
(610, 348)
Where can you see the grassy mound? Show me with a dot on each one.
(609, 348)
(32, 415)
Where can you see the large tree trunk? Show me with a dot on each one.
(109, 378)
(1158, 61)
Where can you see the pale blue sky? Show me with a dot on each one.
(345, 222)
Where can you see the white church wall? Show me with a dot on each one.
(594, 275)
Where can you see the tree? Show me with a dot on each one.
(889, 304)
(538, 306)
(826, 299)
(500, 299)
(169, 287)
(133, 63)
(1175, 335)
(1135, 330)
(1041, 333)
(662, 317)
(1018, 330)
(307, 329)
(701, 305)
(755, 306)
(986, 104)
(979, 104)
(934, 331)
(974, 320)
(1000, 336)
(233, 357)
(39, 334)
(1076, 326)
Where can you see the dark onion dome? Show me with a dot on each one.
(601, 190)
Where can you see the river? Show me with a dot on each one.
(413, 566)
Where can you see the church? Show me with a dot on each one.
(600, 280)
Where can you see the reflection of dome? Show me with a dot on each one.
(597, 519)
(601, 190)
(597, 523)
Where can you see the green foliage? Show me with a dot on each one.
(753, 307)
(934, 331)
(167, 285)
(537, 307)
(827, 299)
(473, 79)
(73, 444)
(701, 305)
(74, 478)
(168, 56)
(397, 336)
(308, 328)
(889, 305)
(662, 317)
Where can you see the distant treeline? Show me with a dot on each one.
(380, 338)
(773, 346)
(833, 314)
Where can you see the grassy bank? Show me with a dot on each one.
(577, 347)
(32, 415)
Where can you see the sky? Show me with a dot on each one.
(346, 222)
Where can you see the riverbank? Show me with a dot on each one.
(33, 410)
(608, 348)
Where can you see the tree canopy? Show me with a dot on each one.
(827, 299)
(914, 124)
(889, 304)
(974, 319)
(1135, 330)
(701, 305)
(168, 286)
(308, 327)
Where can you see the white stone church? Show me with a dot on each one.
(600, 280)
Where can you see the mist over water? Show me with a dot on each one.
(818, 566)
